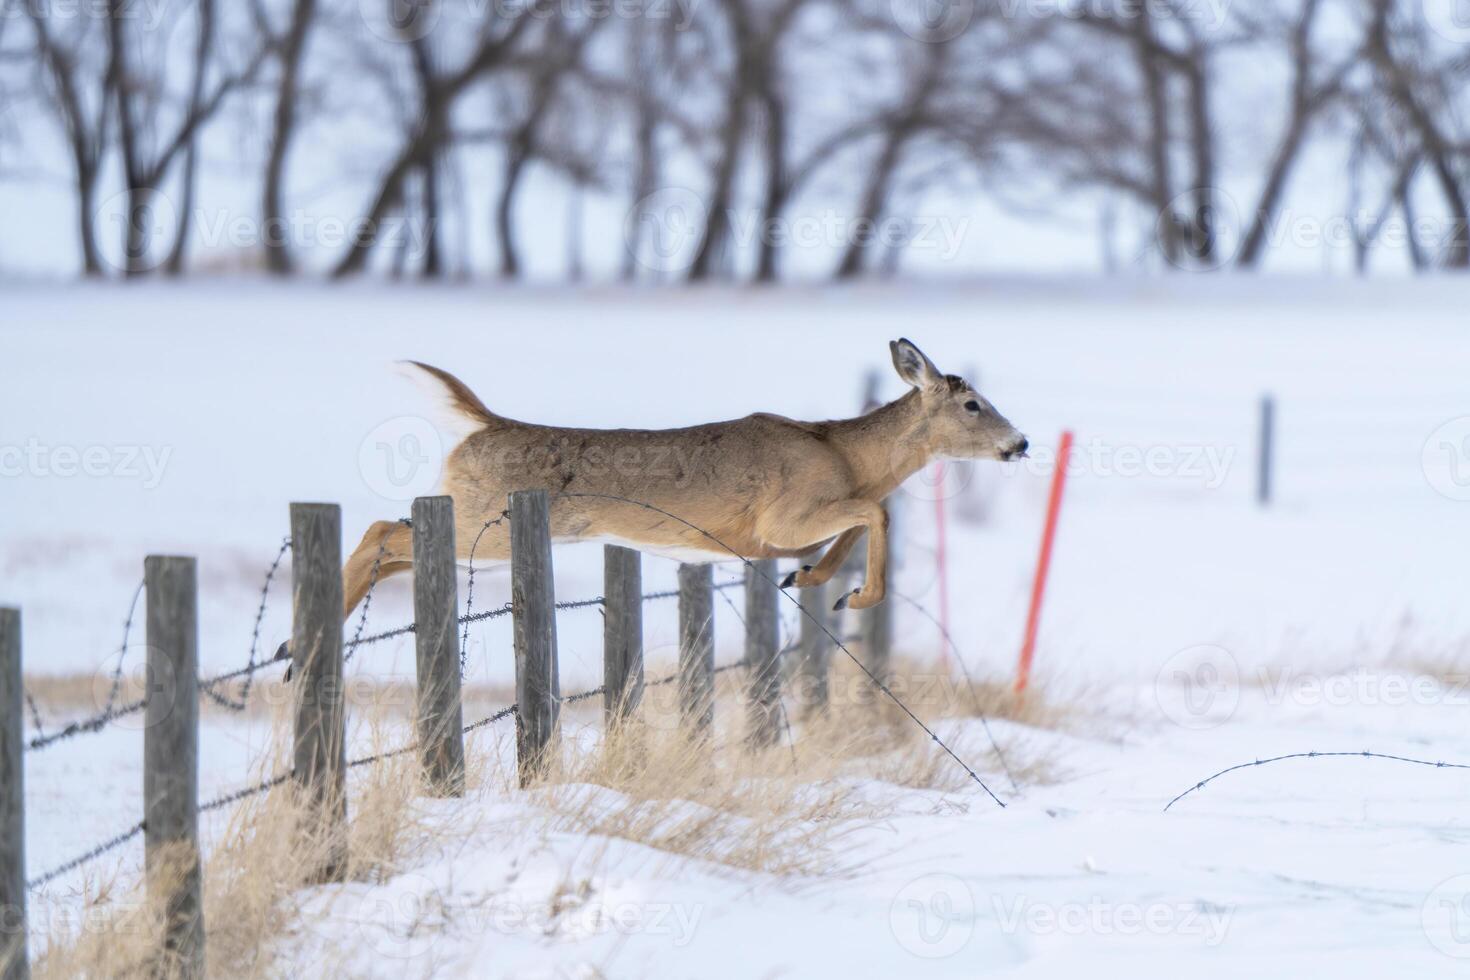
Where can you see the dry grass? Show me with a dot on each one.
(62, 697)
(783, 812)
(754, 811)
(255, 878)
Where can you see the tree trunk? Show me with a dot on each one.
(87, 218)
(433, 263)
(874, 201)
(1281, 166)
(717, 220)
(277, 249)
(387, 200)
(773, 202)
(510, 260)
(1203, 233)
(1156, 94)
(175, 265)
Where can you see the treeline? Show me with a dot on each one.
(719, 123)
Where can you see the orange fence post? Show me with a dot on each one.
(1043, 563)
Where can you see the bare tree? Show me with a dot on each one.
(438, 90)
(138, 85)
(79, 93)
(288, 49)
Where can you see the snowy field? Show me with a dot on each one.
(184, 420)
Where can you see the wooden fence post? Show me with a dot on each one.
(316, 659)
(622, 634)
(171, 763)
(696, 649)
(533, 612)
(1266, 448)
(815, 647)
(877, 634)
(438, 714)
(763, 667)
(14, 962)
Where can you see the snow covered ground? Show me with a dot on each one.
(157, 419)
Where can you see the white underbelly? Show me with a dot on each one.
(675, 553)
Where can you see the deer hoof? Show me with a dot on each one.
(790, 580)
(283, 652)
(842, 600)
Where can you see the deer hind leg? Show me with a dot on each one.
(389, 546)
(386, 549)
(847, 519)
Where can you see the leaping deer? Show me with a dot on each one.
(763, 486)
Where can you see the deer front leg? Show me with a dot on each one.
(875, 577)
(821, 573)
(849, 518)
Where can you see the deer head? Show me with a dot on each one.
(956, 420)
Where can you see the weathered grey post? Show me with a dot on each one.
(696, 650)
(816, 646)
(622, 634)
(1267, 439)
(13, 952)
(533, 612)
(316, 659)
(763, 668)
(171, 763)
(438, 715)
(877, 638)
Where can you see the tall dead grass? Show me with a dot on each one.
(256, 877)
(783, 812)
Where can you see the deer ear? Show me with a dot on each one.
(912, 365)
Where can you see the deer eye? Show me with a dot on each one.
(972, 406)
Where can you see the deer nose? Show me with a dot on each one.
(1016, 450)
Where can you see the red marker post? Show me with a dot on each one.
(1043, 563)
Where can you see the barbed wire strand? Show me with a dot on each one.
(35, 715)
(1313, 755)
(469, 597)
(123, 649)
(248, 672)
(235, 796)
(974, 776)
(964, 669)
(111, 844)
(367, 600)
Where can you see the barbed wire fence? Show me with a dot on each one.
(212, 686)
